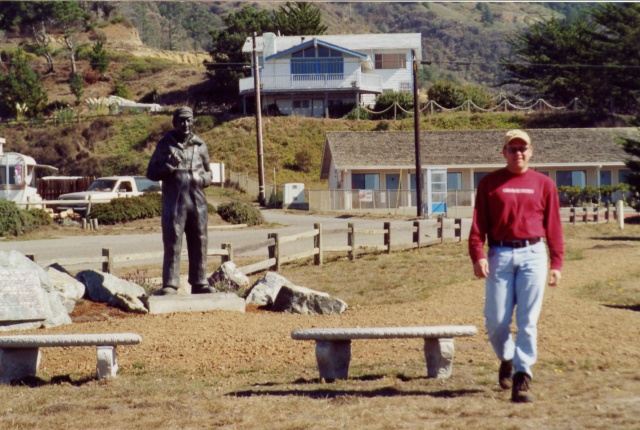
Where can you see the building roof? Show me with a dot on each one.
(314, 42)
(472, 148)
(363, 43)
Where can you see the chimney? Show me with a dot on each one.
(270, 47)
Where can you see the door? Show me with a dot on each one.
(392, 185)
(436, 192)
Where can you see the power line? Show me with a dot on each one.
(567, 66)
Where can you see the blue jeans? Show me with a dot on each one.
(516, 279)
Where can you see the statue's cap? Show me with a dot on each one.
(183, 112)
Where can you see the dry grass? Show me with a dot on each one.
(237, 371)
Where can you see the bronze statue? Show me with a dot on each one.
(181, 162)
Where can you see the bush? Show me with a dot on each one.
(148, 205)
(387, 100)
(10, 222)
(304, 160)
(15, 222)
(240, 213)
(120, 89)
(358, 113)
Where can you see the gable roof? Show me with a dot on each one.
(363, 43)
(315, 42)
(473, 148)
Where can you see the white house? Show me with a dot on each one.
(377, 169)
(313, 75)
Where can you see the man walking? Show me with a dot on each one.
(515, 208)
(181, 162)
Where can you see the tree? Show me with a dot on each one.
(21, 85)
(76, 85)
(228, 59)
(447, 94)
(298, 19)
(632, 147)
(71, 18)
(548, 59)
(594, 58)
(98, 57)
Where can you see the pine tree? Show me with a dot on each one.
(21, 85)
(99, 58)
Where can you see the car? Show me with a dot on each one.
(105, 189)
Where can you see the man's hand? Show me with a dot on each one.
(554, 277)
(481, 268)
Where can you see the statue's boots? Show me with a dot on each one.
(202, 289)
(167, 291)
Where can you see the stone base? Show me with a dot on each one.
(195, 303)
(18, 363)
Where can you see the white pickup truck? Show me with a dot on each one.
(103, 190)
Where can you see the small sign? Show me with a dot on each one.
(366, 195)
(21, 296)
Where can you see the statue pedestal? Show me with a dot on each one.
(195, 303)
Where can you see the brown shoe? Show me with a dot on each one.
(521, 393)
(504, 374)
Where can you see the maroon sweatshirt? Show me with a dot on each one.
(511, 206)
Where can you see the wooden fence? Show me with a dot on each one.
(274, 243)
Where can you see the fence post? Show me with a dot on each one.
(441, 229)
(596, 214)
(107, 266)
(416, 233)
(572, 215)
(607, 211)
(585, 214)
(620, 214)
(351, 241)
(317, 243)
(458, 228)
(229, 249)
(387, 236)
(274, 250)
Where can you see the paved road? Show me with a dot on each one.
(334, 229)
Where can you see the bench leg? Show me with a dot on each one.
(333, 359)
(439, 356)
(18, 363)
(107, 362)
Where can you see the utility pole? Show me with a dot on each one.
(416, 128)
(256, 86)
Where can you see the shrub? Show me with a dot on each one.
(358, 113)
(240, 213)
(304, 159)
(15, 222)
(148, 205)
(120, 89)
(91, 76)
(99, 59)
(386, 101)
(10, 222)
(77, 87)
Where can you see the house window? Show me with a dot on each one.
(477, 176)
(365, 181)
(391, 61)
(605, 177)
(454, 180)
(310, 61)
(301, 104)
(571, 178)
(622, 176)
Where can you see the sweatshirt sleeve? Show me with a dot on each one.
(480, 225)
(553, 229)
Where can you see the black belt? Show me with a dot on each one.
(520, 243)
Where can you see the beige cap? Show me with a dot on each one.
(516, 134)
(183, 112)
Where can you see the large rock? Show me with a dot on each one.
(301, 300)
(229, 275)
(265, 290)
(102, 287)
(69, 287)
(128, 303)
(54, 311)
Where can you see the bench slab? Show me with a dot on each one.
(20, 355)
(333, 346)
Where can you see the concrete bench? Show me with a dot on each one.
(333, 346)
(20, 355)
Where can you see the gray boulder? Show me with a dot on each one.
(229, 276)
(102, 287)
(69, 287)
(265, 290)
(54, 310)
(300, 300)
(128, 303)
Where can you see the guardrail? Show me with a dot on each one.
(274, 243)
